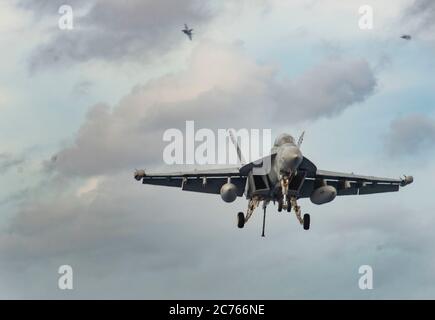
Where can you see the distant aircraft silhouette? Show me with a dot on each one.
(187, 31)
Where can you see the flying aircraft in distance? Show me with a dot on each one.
(188, 32)
(283, 177)
(406, 37)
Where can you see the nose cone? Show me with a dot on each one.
(289, 159)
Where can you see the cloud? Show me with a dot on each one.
(419, 20)
(326, 90)
(111, 226)
(221, 88)
(410, 135)
(6, 98)
(129, 241)
(422, 12)
(113, 30)
(47, 7)
(82, 88)
(16, 197)
(9, 161)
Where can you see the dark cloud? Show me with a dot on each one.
(221, 88)
(114, 30)
(411, 134)
(418, 20)
(422, 12)
(326, 90)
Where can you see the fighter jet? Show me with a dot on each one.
(406, 37)
(283, 177)
(187, 31)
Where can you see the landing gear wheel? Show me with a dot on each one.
(289, 206)
(306, 221)
(240, 220)
(279, 206)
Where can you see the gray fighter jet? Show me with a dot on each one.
(188, 32)
(406, 37)
(283, 177)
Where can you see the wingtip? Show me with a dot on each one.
(406, 180)
(139, 174)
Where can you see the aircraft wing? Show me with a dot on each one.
(204, 180)
(354, 184)
(354, 177)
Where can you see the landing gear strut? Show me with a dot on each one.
(241, 219)
(284, 191)
(252, 205)
(305, 221)
(289, 203)
(265, 203)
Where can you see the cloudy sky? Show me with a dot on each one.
(81, 108)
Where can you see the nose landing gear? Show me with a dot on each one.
(285, 202)
(284, 190)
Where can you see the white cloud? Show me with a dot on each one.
(11, 19)
(5, 99)
(89, 186)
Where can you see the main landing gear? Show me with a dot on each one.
(305, 221)
(240, 220)
(252, 205)
(291, 203)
